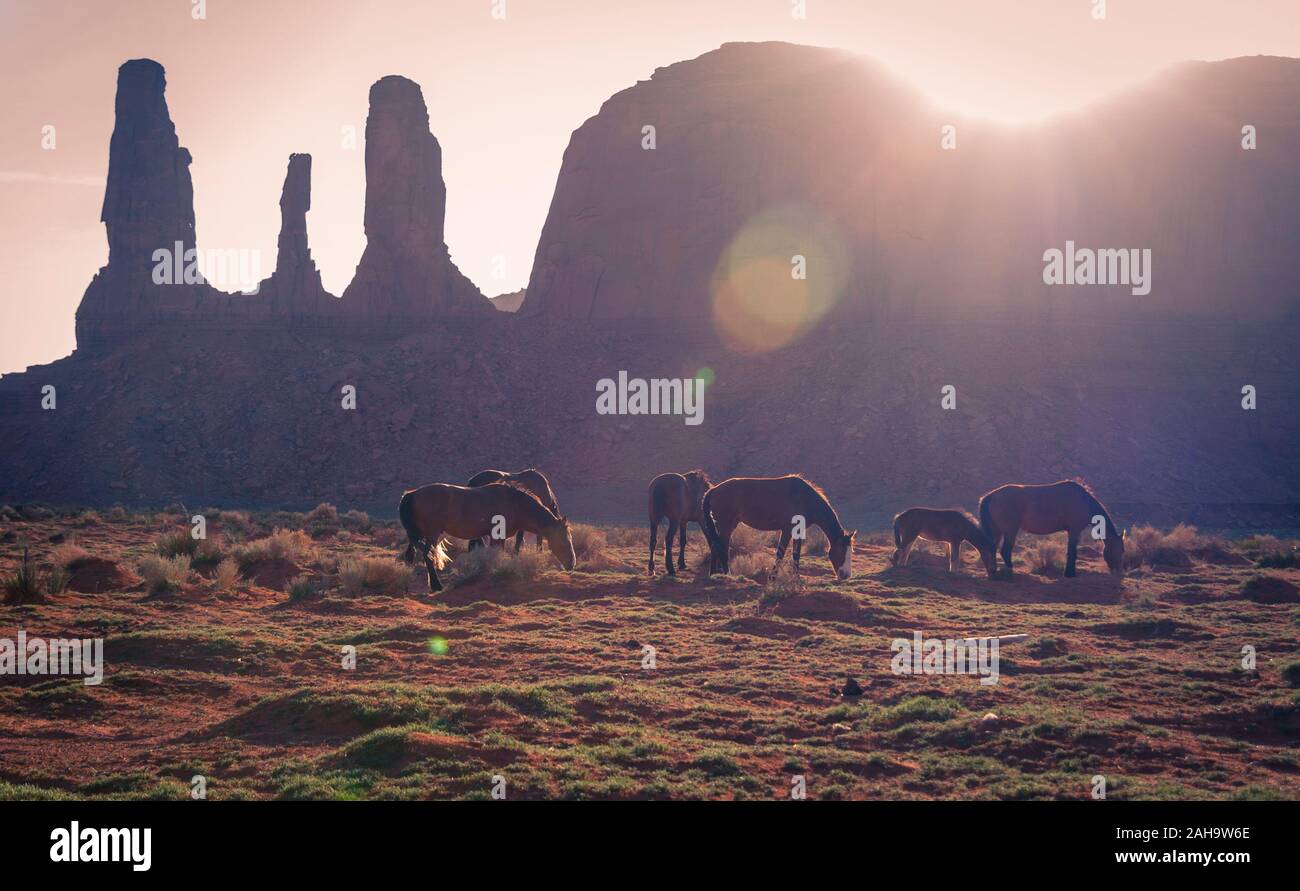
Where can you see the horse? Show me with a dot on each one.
(678, 497)
(532, 480)
(951, 526)
(438, 509)
(769, 504)
(1066, 506)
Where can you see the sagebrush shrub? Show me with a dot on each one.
(163, 574)
(374, 575)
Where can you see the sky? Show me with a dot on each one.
(506, 82)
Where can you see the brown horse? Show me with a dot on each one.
(532, 480)
(1068, 506)
(784, 503)
(677, 497)
(950, 526)
(438, 509)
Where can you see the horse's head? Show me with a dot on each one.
(842, 555)
(988, 551)
(1113, 553)
(560, 541)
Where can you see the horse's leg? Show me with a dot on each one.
(681, 547)
(724, 548)
(954, 555)
(654, 534)
(1008, 543)
(519, 541)
(668, 545)
(1071, 551)
(798, 547)
(904, 551)
(780, 549)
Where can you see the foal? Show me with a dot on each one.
(950, 526)
(678, 497)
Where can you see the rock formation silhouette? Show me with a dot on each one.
(406, 273)
(182, 392)
(295, 288)
(763, 151)
(406, 270)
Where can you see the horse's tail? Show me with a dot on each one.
(405, 513)
(986, 520)
(898, 536)
(710, 528)
(438, 553)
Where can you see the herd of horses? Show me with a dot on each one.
(497, 505)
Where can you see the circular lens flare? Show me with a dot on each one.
(780, 275)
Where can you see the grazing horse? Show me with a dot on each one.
(438, 509)
(678, 497)
(770, 504)
(950, 526)
(532, 480)
(1068, 506)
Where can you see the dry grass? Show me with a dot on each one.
(499, 565)
(175, 543)
(1148, 546)
(300, 588)
(746, 540)
(1045, 557)
(323, 521)
(627, 536)
(374, 575)
(752, 566)
(68, 555)
(162, 574)
(226, 575)
(293, 545)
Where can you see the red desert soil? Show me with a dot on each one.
(543, 684)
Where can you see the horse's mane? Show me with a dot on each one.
(550, 493)
(699, 475)
(1111, 530)
(820, 493)
(521, 488)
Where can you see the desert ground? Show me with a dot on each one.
(224, 658)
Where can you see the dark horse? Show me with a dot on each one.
(678, 497)
(770, 504)
(438, 509)
(532, 480)
(1067, 506)
(950, 526)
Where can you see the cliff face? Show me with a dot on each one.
(767, 151)
(406, 270)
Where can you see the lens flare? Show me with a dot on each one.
(780, 275)
(438, 646)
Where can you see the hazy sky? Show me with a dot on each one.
(258, 79)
